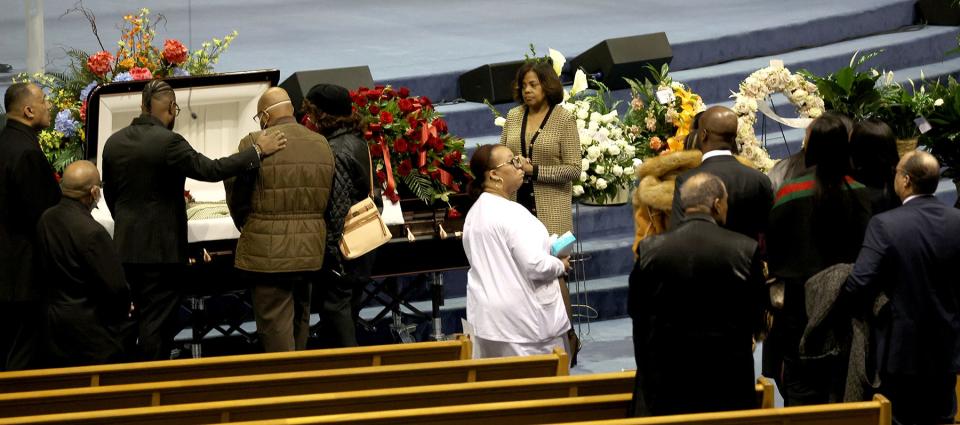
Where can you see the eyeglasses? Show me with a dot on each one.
(177, 108)
(517, 162)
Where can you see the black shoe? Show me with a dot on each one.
(575, 346)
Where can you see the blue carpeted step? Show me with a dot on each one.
(909, 50)
(752, 29)
(901, 50)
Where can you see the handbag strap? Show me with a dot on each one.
(370, 158)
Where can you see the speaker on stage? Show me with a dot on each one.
(299, 83)
(938, 12)
(615, 58)
(493, 82)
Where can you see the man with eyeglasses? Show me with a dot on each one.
(27, 188)
(911, 254)
(144, 169)
(280, 210)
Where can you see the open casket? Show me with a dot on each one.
(217, 112)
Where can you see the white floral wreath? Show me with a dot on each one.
(772, 79)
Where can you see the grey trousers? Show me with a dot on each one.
(281, 306)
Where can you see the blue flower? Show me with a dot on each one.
(86, 90)
(123, 76)
(66, 124)
(180, 72)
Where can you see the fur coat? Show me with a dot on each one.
(653, 199)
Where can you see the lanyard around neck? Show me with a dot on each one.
(523, 131)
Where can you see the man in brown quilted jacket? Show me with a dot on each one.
(279, 210)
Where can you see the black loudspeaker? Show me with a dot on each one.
(493, 82)
(299, 83)
(615, 58)
(938, 12)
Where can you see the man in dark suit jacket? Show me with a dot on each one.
(87, 298)
(696, 299)
(751, 195)
(144, 169)
(912, 253)
(27, 188)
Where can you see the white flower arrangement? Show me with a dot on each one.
(756, 88)
(608, 159)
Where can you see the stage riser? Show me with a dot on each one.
(715, 83)
(689, 54)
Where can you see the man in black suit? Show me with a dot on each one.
(27, 188)
(696, 299)
(912, 254)
(751, 196)
(87, 298)
(144, 168)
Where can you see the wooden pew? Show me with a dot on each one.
(351, 402)
(213, 367)
(599, 410)
(280, 384)
(364, 401)
(765, 397)
(876, 412)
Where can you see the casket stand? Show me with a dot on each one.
(217, 112)
(428, 244)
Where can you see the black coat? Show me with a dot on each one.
(87, 298)
(27, 189)
(696, 299)
(144, 169)
(351, 184)
(750, 195)
(912, 253)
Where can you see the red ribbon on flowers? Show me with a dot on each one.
(423, 159)
(427, 130)
(391, 184)
(446, 178)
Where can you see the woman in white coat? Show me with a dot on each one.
(513, 297)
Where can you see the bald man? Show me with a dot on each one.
(696, 298)
(912, 254)
(144, 169)
(27, 188)
(750, 192)
(87, 298)
(279, 210)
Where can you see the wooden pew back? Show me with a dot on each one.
(280, 384)
(351, 402)
(599, 410)
(876, 412)
(224, 366)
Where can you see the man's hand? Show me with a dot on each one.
(270, 143)
(566, 263)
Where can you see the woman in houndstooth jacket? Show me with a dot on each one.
(546, 136)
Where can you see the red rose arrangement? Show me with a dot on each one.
(409, 141)
(100, 63)
(174, 52)
(139, 73)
